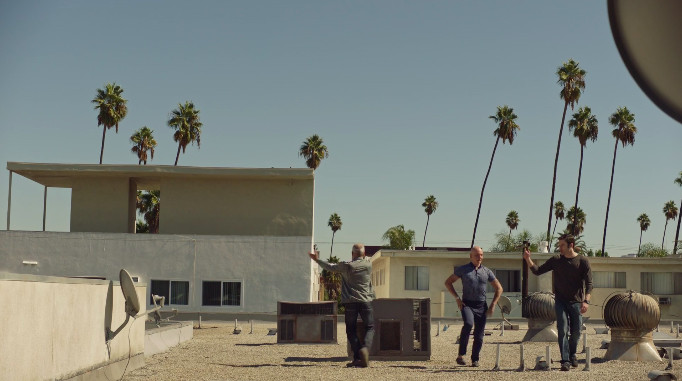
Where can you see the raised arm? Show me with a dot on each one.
(333, 267)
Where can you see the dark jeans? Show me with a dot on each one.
(568, 316)
(365, 312)
(473, 314)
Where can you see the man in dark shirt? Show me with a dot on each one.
(572, 288)
(473, 305)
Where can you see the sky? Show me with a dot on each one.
(400, 91)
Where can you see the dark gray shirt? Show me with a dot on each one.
(356, 279)
(572, 277)
(474, 281)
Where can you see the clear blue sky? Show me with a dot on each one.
(400, 91)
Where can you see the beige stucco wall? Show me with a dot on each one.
(91, 200)
(54, 328)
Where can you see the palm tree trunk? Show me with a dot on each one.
(480, 201)
(549, 244)
(178, 155)
(677, 235)
(509, 236)
(608, 203)
(556, 161)
(640, 241)
(331, 251)
(427, 228)
(101, 152)
(664, 229)
(575, 208)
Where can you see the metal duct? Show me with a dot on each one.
(539, 306)
(632, 310)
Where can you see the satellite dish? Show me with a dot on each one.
(129, 293)
(648, 35)
(505, 305)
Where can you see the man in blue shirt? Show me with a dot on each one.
(472, 304)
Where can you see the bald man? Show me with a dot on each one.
(473, 304)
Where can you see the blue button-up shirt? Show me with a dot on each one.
(474, 281)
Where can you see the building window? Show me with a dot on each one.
(417, 278)
(175, 292)
(662, 283)
(509, 279)
(216, 293)
(608, 279)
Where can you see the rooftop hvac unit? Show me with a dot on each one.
(402, 329)
(306, 322)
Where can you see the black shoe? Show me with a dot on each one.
(565, 366)
(353, 364)
(574, 361)
(364, 357)
(460, 361)
(475, 364)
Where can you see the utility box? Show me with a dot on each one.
(309, 323)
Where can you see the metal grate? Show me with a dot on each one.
(307, 308)
(327, 330)
(285, 330)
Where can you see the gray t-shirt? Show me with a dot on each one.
(356, 276)
(474, 281)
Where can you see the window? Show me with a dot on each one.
(417, 278)
(215, 293)
(509, 279)
(608, 279)
(662, 283)
(176, 292)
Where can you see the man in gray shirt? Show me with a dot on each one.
(356, 296)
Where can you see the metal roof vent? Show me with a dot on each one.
(632, 317)
(539, 309)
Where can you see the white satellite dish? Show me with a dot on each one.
(129, 293)
(505, 305)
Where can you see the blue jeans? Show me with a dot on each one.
(365, 312)
(473, 314)
(568, 316)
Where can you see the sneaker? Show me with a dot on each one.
(475, 364)
(574, 361)
(565, 366)
(364, 358)
(460, 361)
(353, 364)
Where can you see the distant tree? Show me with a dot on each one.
(335, 224)
(112, 109)
(506, 130)
(141, 227)
(149, 203)
(143, 140)
(644, 224)
(576, 221)
(678, 181)
(505, 243)
(332, 282)
(585, 127)
(185, 121)
(398, 238)
(430, 205)
(572, 81)
(598, 253)
(313, 151)
(559, 214)
(670, 212)
(625, 131)
(650, 250)
(512, 221)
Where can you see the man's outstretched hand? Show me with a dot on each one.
(313, 256)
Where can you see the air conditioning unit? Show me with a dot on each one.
(402, 329)
(306, 322)
(663, 300)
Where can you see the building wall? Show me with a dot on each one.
(270, 268)
(229, 207)
(90, 200)
(54, 328)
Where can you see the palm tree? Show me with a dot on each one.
(144, 142)
(430, 205)
(112, 109)
(335, 224)
(670, 212)
(576, 221)
(644, 224)
(559, 214)
(313, 151)
(572, 81)
(678, 181)
(625, 131)
(585, 127)
(185, 121)
(148, 203)
(506, 130)
(512, 221)
(399, 238)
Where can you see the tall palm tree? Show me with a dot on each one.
(430, 205)
(335, 224)
(572, 81)
(506, 130)
(144, 142)
(559, 214)
(398, 238)
(149, 203)
(678, 181)
(313, 151)
(625, 131)
(644, 224)
(585, 127)
(112, 109)
(576, 221)
(670, 212)
(512, 221)
(185, 121)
